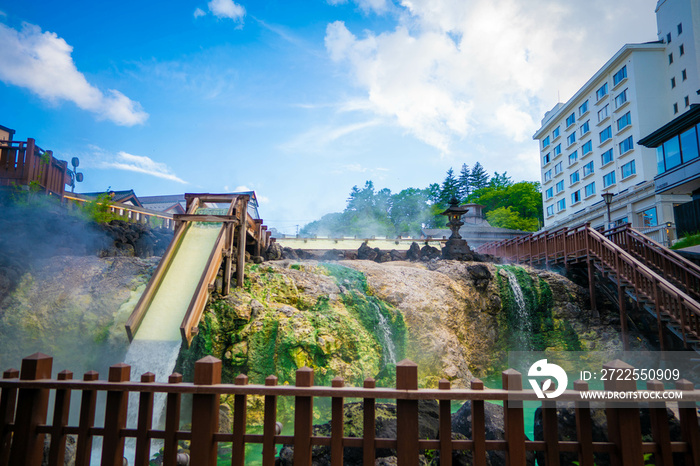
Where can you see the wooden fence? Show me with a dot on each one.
(23, 163)
(25, 397)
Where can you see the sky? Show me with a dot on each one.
(298, 100)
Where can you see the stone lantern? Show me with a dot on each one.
(456, 248)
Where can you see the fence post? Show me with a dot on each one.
(513, 416)
(445, 426)
(407, 415)
(172, 423)
(57, 450)
(205, 412)
(115, 417)
(303, 418)
(269, 425)
(337, 424)
(690, 433)
(8, 400)
(368, 424)
(624, 425)
(86, 421)
(550, 428)
(584, 429)
(239, 424)
(145, 422)
(32, 404)
(478, 426)
(659, 427)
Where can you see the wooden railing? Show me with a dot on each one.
(584, 244)
(127, 212)
(25, 395)
(24, 163)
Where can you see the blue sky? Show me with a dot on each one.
(298, 100)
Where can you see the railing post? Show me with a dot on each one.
(239, 424)
(660, 430)
(32, 405)
(337, 424)
(269, 425)
(205, 412)
(303, 419)
(115, 417)
(478, 426)
(242, 233)
(690, 433)
(86, 422)
(145, 422)
(514, 420)
(550, 428)
(368, 425)
(172, 423)
(624, 425)
(591, 275)
(57, 449)
(8, 400)
(407, 415)
(446, 426)
(584, 427)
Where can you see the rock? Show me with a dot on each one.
(258, 259)
(396, 255)
(429, 252)
(413, 253)
(333, 255)
(274, 251)
(225, 419)
(364, 252)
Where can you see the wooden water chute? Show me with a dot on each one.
(236, 226)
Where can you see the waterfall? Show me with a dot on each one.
(386, 337)
(524, 324)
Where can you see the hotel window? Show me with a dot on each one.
(603, 113)
(561, 205)
(571, 138)
(648, 218)
(689, 145)
(681, 50)
(626, 145)
(673, 82)
(555, 133)
(624, 121)
(583, 108)
(605, 134)
(670, 58)
(573, 157)
(602, 91)
(557, 150)
(621, 98)
(547, 175)
(684, 75)
(545, 143)
(686, 99)
(620, 75)
(548, 194)
(586, 148)
(608, 179)
(560, 187)
(574, 177)
(675, 108)
(588, 168)
(589, 190)
(558, 168)
(606, 157)
(550, 210)
(576, 197)
(628, 170)
(668, 38)
(680, 28)
(585, 127)
(545, 159)
(570, 120)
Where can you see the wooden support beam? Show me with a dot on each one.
(242, 211)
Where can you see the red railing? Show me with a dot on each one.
(24, 163)
(24, 409)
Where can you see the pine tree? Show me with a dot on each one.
(478, 177)
(464, 182)
(450, 187)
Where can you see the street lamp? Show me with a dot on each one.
(607, 197)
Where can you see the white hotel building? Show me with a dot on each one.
(588, 145)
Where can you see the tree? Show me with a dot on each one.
(500, 181)
(410, 210)
(464, 182)
(478, 178)
(505, 217)
(450, 188)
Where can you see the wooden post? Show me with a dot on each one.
(513, 417)
(337, 424)
(57, 450)
(239, 424)
(172, 423)
(269, 425)
(303, 419)
(8, 400)
(690, 433)
(242, 211)
(478, 426)
(205, 412)
(445, 426)
(584, 427)
(624, 425)
(622, 303)
(591, 275)
(29, 162)
(368, 425)
(228, 252)
(145, 422)
(659, 427)
(32, 405)
(115, 417)
(550, 428)
(86, 422)
(407, 415)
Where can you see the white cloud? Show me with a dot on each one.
(42, 63)
(378, 6)
(227, 9)
(451, 68)
(99, 158)
(318, 138)
(199, 12)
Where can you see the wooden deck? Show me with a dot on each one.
(23, 163)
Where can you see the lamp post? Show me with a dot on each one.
(456, 248)
(607, 197)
